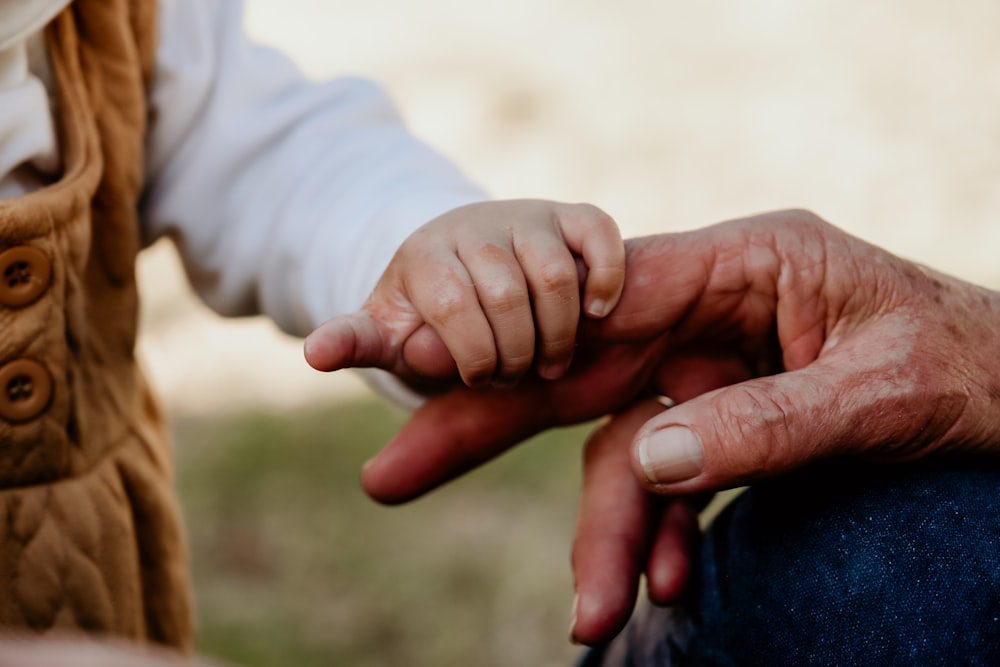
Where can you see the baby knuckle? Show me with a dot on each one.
(557, 345)
(500, 296)
(592, 214)
(479, 364)
(514, 364)
(557, 277)
(447, 305)
(606, 275)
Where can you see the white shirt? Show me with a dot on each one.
(285, 197)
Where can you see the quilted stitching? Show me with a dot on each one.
(90, 532)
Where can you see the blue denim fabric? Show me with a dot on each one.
(842, 565)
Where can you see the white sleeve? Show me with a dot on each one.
(286, 197)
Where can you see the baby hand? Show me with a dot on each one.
(488, 289)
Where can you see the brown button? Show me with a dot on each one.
(25, 390)
(25, 272)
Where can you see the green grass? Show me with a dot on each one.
(294, 565)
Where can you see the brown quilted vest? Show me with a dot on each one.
(90, 533)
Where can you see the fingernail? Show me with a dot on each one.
(597, 308)
(672, 454)
(572, 620)
(553, 371)
(476, 382)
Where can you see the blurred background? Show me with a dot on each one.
(883, 117)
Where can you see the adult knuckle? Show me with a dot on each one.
(760, 431)
(803, 220)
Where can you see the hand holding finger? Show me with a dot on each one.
(552, 278)
(592, 234)
(505, 302)
(444, 295)
(348, 341)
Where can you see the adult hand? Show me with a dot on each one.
(623, 532)
(813, 343)
(851, 350)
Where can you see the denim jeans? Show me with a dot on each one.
(844, 564)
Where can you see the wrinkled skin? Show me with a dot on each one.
(782, 339)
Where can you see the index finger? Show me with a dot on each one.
(450, 435)
(454, 433)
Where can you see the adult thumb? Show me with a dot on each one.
(763, 427)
